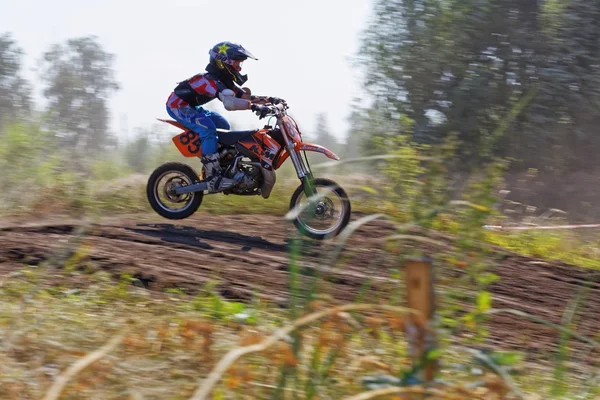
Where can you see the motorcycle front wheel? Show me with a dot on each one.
(324, 215)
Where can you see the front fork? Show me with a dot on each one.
(304, 174)
(302, 170)
(308, 183)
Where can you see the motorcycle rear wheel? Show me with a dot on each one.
(163, 199)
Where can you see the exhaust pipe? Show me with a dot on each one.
(196, 187)
(269, 179)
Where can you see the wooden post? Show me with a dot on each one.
(420, 297)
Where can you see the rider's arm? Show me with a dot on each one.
(246, 93)
(231, 102)
(259, 99)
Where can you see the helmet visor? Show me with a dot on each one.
(237, 65)
(246, 54)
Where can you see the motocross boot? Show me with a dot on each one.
(214, 174)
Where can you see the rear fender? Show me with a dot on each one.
(188, 142)
(317, 148)
(174, 123)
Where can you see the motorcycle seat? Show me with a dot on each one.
(228, 138)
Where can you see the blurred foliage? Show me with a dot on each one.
(39, 176)
(138, 153)
(172, 339)
(28, 163)
(79, 79)
(15, 92)
(460, 66)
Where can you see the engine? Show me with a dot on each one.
(252, 178)
(249, 177)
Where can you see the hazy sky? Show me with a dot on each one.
(304, 49)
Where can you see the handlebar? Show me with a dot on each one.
(267, 100)
(276, 107)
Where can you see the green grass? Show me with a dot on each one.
(49, 319)
(560, 245)
(127, 194)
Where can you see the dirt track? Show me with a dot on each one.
(248, 254)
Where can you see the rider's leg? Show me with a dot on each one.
(201, 123)
(217, 119)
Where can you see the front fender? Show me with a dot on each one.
(317, 148)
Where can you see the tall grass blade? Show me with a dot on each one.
(312, 200)
(373, 394)
(295, 297)
(558, 387)
(348, 231)
(340, 243)
(329, 164)
(542, 321)
(489, 363)
(61, 381)
(207, 385)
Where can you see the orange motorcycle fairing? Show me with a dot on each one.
(318, 148)
(305, 147)
(174, 123)
(262, 146)
(290, 128)
(281, 158)
(188, 143)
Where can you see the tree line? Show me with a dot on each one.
(77, 77)
(511, 78)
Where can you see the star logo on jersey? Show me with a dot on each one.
(223, 49)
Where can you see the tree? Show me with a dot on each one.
(470, 63)
(15, 92)
(80, 79)
(323, 134)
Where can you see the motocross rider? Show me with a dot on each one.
(221, 80)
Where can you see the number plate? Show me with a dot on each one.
(290, 128)
(189, 144)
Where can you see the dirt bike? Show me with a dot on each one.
(321, 208)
